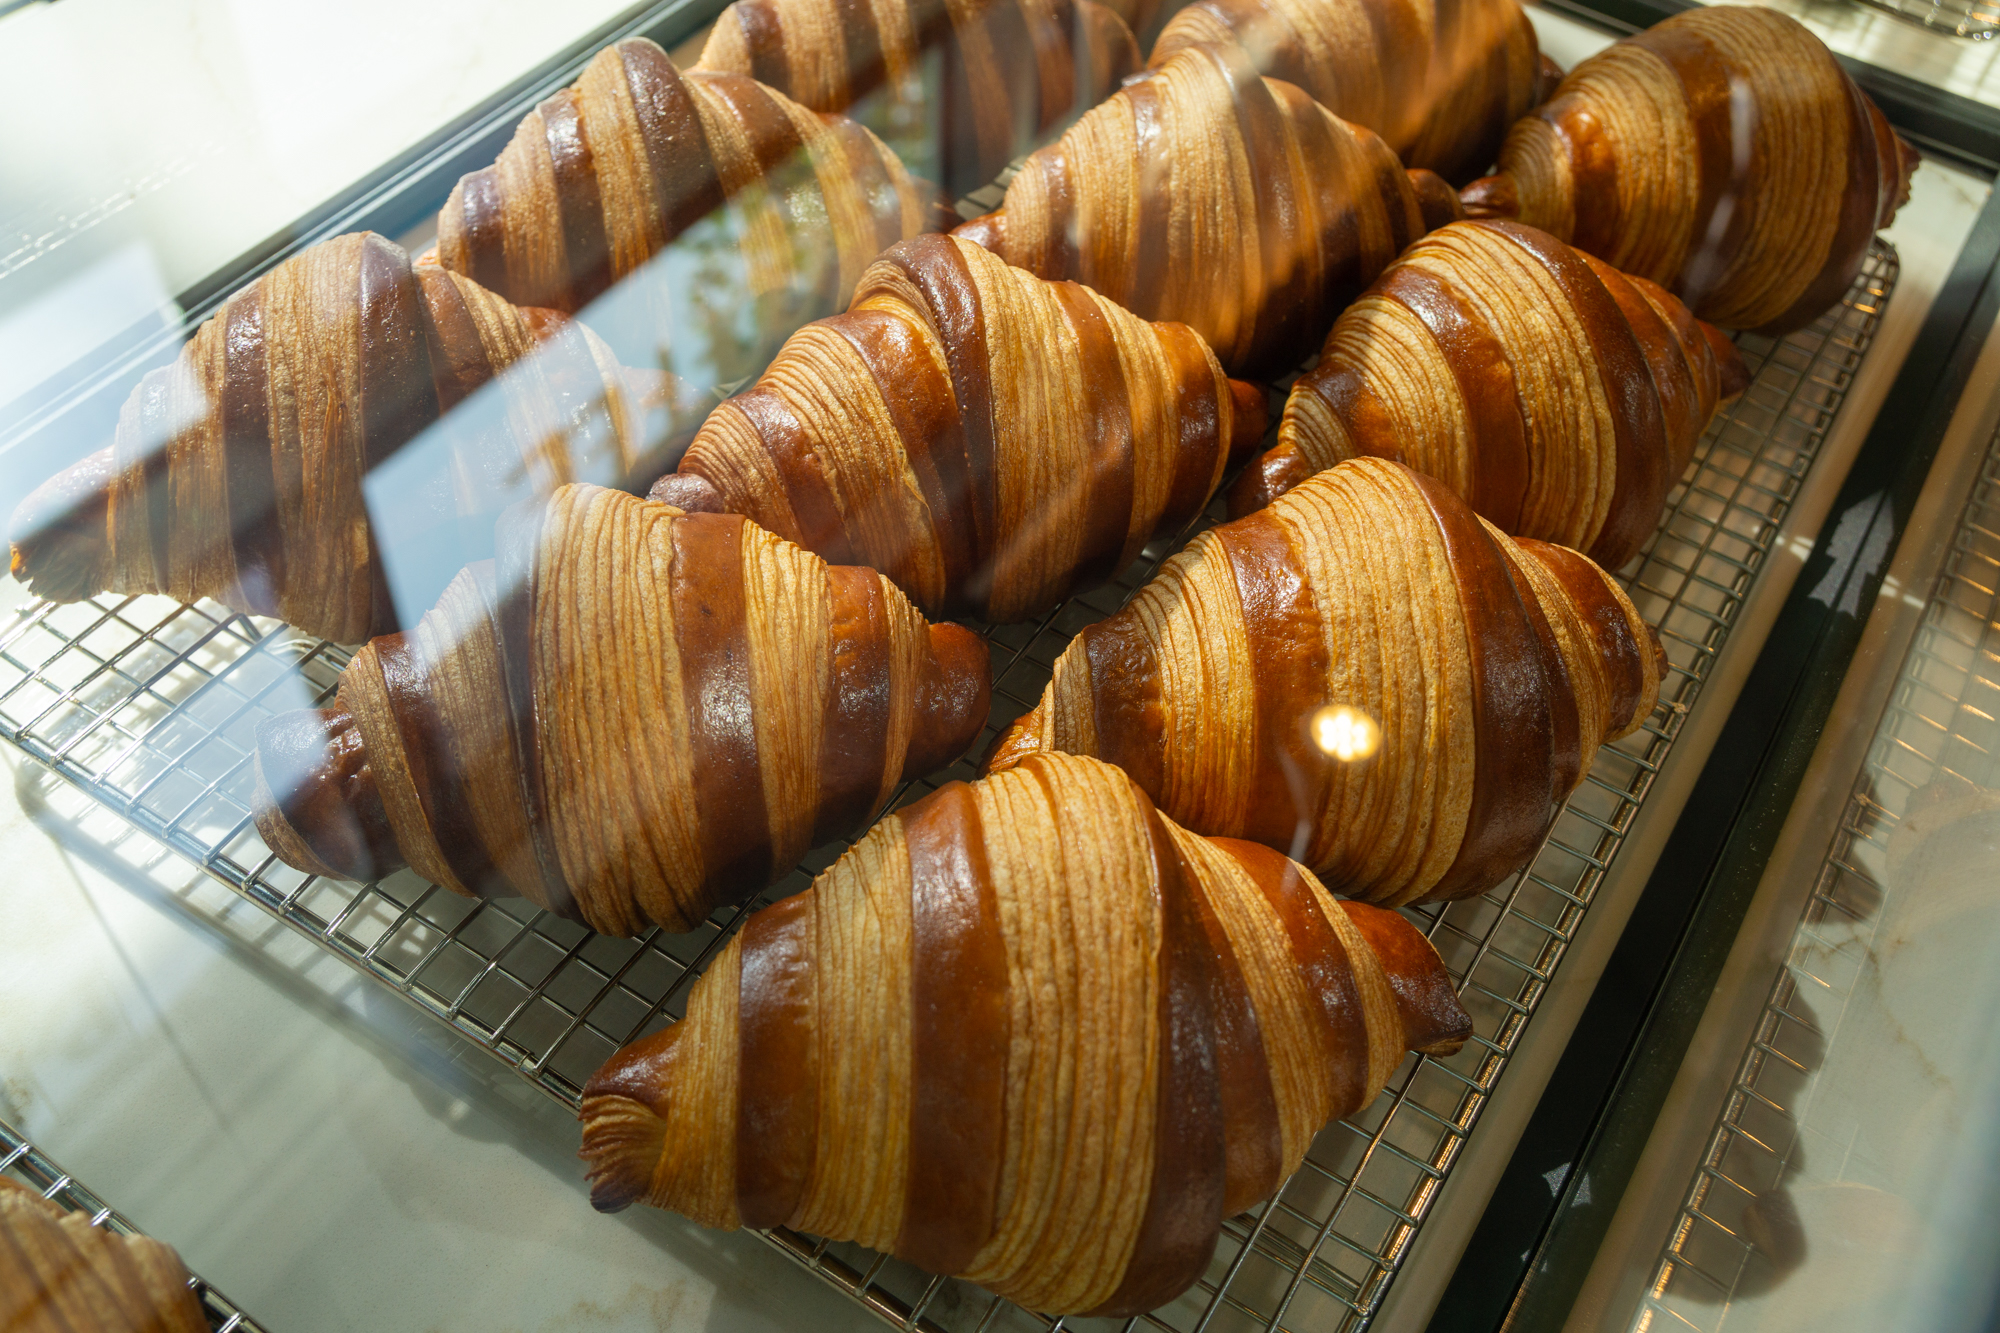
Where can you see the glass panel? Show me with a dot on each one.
(1836, 1190)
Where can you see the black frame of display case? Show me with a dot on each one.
(1534, 1245)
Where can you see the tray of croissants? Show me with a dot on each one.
(1048, 1029)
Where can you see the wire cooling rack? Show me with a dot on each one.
(21, 1160)
(1940, 723)
(1975, 20)
(151, 708)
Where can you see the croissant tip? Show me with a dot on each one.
(688, 492)
(56, 534)
(1250, 416)
(1011, 747)
(622, 1137)
(1733, 375)
(1548, 77)
(607, 1196)
(315, 803)
(1439, 206)
(1491, 197)
(989, 231)
(1269, 476)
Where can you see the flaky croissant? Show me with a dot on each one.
(1558, 397)
(1231, 203)
(988, 440)
(60, 1274)
(1027, 1031)
(237, 472)
(1722, 153)
(1492, 670)
(1011, 70)
(604, 174)
(636, 716)
(1439, 80)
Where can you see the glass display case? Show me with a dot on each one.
(1723, 1053)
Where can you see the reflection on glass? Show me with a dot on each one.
(340, 438)
(1346, 733)
(957, 90)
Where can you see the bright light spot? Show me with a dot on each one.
(1345, 733)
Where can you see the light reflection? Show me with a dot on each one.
(1345, 732)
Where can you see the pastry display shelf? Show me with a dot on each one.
(151, 707)
(20, 1160)
(1940, 722)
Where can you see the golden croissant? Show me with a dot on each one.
(1011, 70)
(1722, 153)
(1365, 673)
(1558, 397)
(1439, 80)
(635, 715)
(602, 175)
(60, 1274)
(237, 472)
(1231, 203)
(988, 440)
(1027, 1031)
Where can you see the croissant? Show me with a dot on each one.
(1722, 153)
(60, 1274)
(1012, 69)
(1485, 673)
(1231, 203)
(1558, 397)
(988, 440)
(1439, 80)
(237, 472)
(603, 174)
(634, 715)
(1027, 1031)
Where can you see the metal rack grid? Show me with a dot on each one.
(151, 707)
(1940, 721)
(20, 1160)
(1974, 20)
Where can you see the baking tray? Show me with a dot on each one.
(21, 1160)
(1940, 720)
(151, 707)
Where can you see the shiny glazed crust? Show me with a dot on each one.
(58, 1274)
(988, 440)
(1494, 669)
(603, 174)
(1234, 204)
(236, 472)
(1011, 69)
(1439, 80)
(1724, 154)
(1026, 1031)
(636, 716)
(1558, 397)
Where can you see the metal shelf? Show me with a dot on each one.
(21, 1160)
(1974, 20)
(151, 707)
